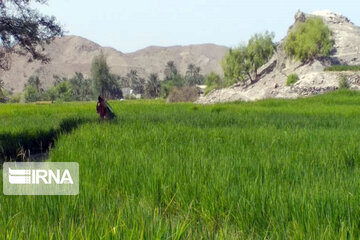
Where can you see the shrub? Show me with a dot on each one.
(183, 94)
(213, 81)
(309, 40)
(343, 82)
(340, 68)
(291, 79)
(15, 98)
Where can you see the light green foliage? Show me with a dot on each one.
(63, 92)
(259, 50)
(243, 62)
(33, 90)
(341, 68)
(31, 94)
(16, 98)
(291, 79)
(309, 40)
(343, 82)
(212, 81)
(235, 65)
(272, 169)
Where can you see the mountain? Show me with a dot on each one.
(312, 78)
(70, 54)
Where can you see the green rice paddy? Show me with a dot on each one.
(272, 169)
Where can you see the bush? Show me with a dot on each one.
(31, 94)
(340, 68)
(343, 82)
(213, 81)
(15, 98)
(291, 79)
(309, 40)
(184, 94)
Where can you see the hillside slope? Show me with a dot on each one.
(312, 78)
(72, 54)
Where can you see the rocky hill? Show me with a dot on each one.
(312, 78)
(70, 54)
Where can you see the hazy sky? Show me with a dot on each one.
(134, 24)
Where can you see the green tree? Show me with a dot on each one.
(136, 83)
(31, 94)
(193, 75)
(235, 64)
(115, 89)
(101, 77)
(58, 79)
(170, 70)
(153, 86)
(243, 62)
(259, 50)
(80, 87)
(309, 39)
(22, 29)
(63, 91)
(35, 82)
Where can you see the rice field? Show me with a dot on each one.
(271, 169)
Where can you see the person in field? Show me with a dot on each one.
(104, 109)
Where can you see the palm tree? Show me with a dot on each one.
(153, 86)
(170, 70)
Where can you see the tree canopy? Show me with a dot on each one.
(309, 39)
(243, 62)
(23, 29)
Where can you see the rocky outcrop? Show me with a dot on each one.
(312, 78)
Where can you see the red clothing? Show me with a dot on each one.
(101, 109)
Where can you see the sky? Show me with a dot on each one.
(135, 24)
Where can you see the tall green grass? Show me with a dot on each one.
(267, 169)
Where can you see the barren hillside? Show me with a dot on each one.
(72, 54)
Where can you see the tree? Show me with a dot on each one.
(31, 94)
(153, 86)
(35, 82)
(170, 70)
(259, 50)
(193, 75)
(136, 83)
(101, 77)
(22, 29)
(243, 62)
(235, 64)
(309, 39)
(58, 79)
(115, 89)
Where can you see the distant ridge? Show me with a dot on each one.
(72, 54)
